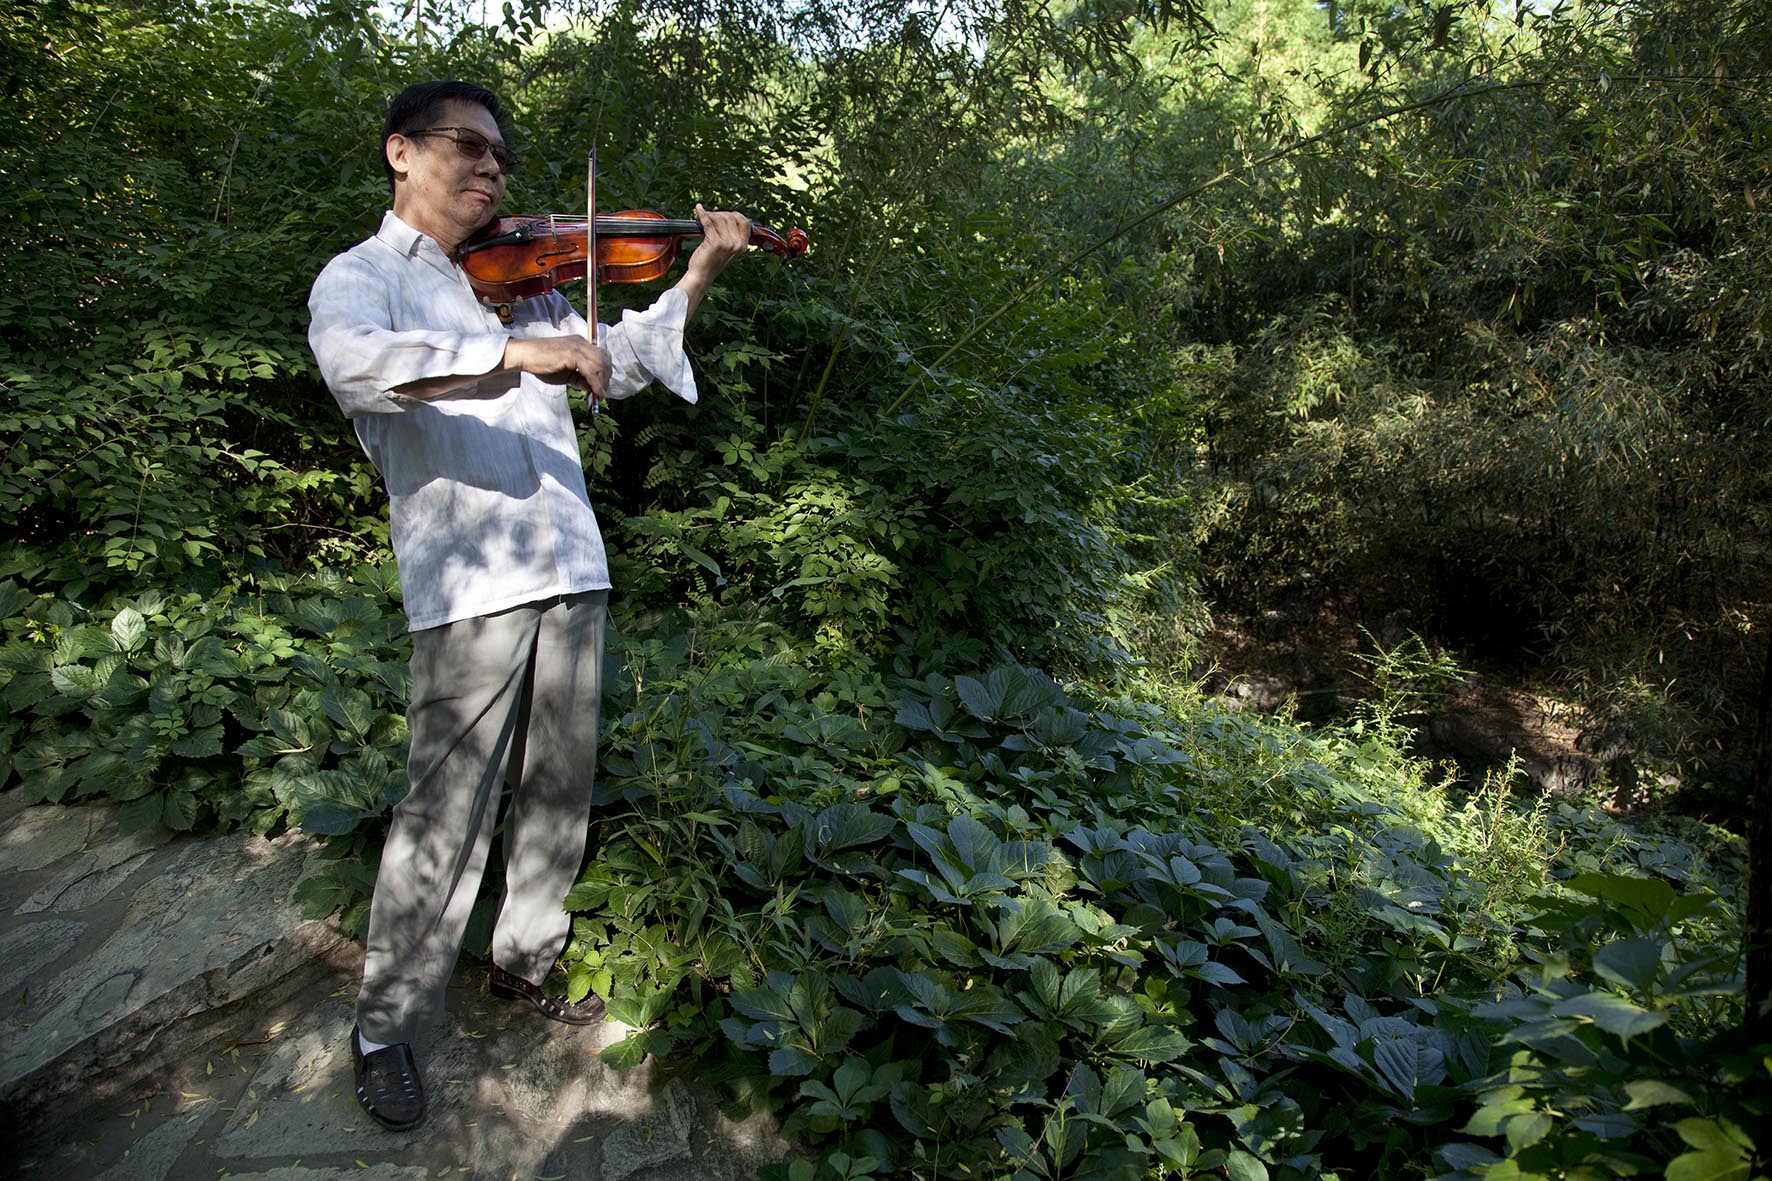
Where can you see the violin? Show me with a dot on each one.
(513, 258)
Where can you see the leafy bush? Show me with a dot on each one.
(1623, 1065)
(1001, 930)
(273, 702)
(1469, 367)
(991, 535)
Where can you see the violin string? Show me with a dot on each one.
(647, 226)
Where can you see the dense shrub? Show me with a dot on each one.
(1005, 929)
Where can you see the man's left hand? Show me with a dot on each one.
(725, 236)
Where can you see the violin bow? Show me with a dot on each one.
(591, 256)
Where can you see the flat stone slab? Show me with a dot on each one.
(117, 936)
(154, 975)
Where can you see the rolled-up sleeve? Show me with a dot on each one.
(648, 346)
(365, 358)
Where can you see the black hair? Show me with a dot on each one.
(421, 104)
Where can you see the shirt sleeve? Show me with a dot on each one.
(363, 358)
(648, 346)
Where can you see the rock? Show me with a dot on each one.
(180, 1020)
(147, 930)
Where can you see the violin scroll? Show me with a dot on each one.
(789, 245)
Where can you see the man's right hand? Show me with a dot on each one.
(562, 360)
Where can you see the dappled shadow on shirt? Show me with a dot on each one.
(488, 504)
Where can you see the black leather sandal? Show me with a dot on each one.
(510, 986)
(388, 1085)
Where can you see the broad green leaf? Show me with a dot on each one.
(1709, 1166)
(1219, 974)
(129, 629)
(845, 826)
(1080, 984)
(912, 1108)
(1471, 1157)
(1123, 1087)
(981, 699)
(1176, 1154)
(1633, 963)
(292, 727)
(847, 909)
(351, 709)
(1714, 1136)
(78, 681)
(1149, 1043)
(1242, 1166)
(13, 598)
(954, 947)
(264, 746)
(1060, 727)
(1016, 1142)
(625, 1054)
(977, 848)
(179, 812)
(1612, 1013)
(578, 981)
(986, 1005)
(1653, 1093)
(1526, 1129)
(1649, 897)
(768, 1002)
(201, 744)
(936, 890)
(914, 715)
(1036, 927)
(1408, 1062)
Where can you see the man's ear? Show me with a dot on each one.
(398, 149)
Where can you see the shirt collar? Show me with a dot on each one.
(401, 236)
(411, 243)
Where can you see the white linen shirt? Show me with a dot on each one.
(487, 501)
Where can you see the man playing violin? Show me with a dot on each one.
(502, 567)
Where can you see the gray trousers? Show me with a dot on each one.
(513, 694)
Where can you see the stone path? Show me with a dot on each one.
(165, 1013)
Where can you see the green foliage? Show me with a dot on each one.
(1605, 1080)
(1007, 930)
(1471, 362)
(991, 536)
(1410, 681)
(161, 415)
(1494, 346)
(269, 703)
(129, 470)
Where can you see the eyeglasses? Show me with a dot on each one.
(471, 144)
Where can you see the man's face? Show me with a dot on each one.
(441, 191)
